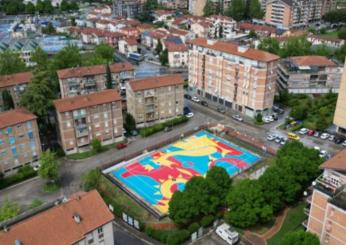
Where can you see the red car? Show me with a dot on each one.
(311, 133)
(121, 146)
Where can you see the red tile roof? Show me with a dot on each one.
(88, 100)
(93, 70)
(131, 41)
(254, 27)
(156, 82)
(14, 79)
(338, 162)
(231, 48)
(173, 47)
(13, 117)
(56, 226)
(312, 60)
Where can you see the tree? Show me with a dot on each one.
(342, 33)
(259, 118)
(237, 10)
(158, 48)
(104, 51)
(109, 82)
(40, 58)
(220, 31)
(96, 146)
(49, 29)
(129, 123)
(255, 10)
(338, 15)
(7, 100)
(67, 57)
(322, 50)
(341, 53)
(295, 46)
(164, 57)
(299, 112)
(49, 167)
(8, 210)
(10, 62)
(299, 238)
(29, 8)
(148, 7)
(91, 180)
(219, 183)
(252, 34)
(38, 95)
(209, 8)
(247, 205)
(270, 45)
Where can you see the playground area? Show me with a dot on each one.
(153, 177)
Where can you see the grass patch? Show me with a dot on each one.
(294, 218)
(330, 34)
(51, 187)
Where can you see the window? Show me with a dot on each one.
(14, 151)
(31, 135)
(3, 153)
(100, 232)
(106, 124)
(90, 238)
(2, 142)
(67, 114)
(9, 130)
(29, 124)
(68, 124)
(105, 115)
(12, 140)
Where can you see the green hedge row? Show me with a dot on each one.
(145, 132)
(170, 237)
(23, 173)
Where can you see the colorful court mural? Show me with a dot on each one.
(155, 176)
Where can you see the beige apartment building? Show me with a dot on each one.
(86, 117)
(288, 14)
(327, 206)
(82, 219)
(15, 84)
(237, 77)
(91, 79)
(19, 140)
(155, 99)
(340, 110)
(309, 75)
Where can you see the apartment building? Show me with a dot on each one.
(128, 45)
(91, 79)
(309, 75)
(86, 117)
(177, 54)
(174, 4)
(340, 110)
(155, 99)
(196, 7)
(237, 77)
(15, 84)
(328, 5)
(19, 140)
(327, 206)
(288, 14)
(82, 219)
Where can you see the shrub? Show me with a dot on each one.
(160, 235)
(96, 145)
(177, 237)
(207, 220)
(147, 131)
(193, 227)
(24, 173)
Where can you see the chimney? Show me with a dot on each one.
(17, 242)
(242, 49)
(77, 218)
(211, 42)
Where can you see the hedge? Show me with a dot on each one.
(170, 237)
(23, 173)
(207, 220)
(147, 131)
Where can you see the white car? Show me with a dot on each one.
(344, 144)
(323, 153)
(228, 235)
(324, 136)
(331, 138)
(317, 148)
(271, 137)
(267, 119)
(238, 118)
(195, 99)
(189, 115)
(303, 131)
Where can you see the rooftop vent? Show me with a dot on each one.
(77, 218)
(17, 242)
(242, 49)
(211, 42)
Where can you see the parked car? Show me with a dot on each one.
(267, 119)
(311, 132)
(121, 146)
(237, 117)
(167, 129)
(275, 117)
(317, 148)
(196, 99)
(187, 112)
(278, 110)
(323, 154)
(293, 136)
(303, 131)
(283, 141)
(344, 144)
(338, 140)
(324, 136)
(317, 134)
(227, 234)
(221, 110)
(331, 138)
(187, 96)
(270, 137)
(278, 139)
(204, 103)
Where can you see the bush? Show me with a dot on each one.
(96, 145)
(160, 235)
(177, 237)
(193, 227)
(24, 173)
(147, 131)
(207, 220)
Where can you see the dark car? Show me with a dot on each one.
(187, 96)
(338, 140)
(121, 146)
(221, 110)
(204, 103)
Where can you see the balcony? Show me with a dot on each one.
(82, 130)
(326, 185)
(305, 223)
(90, 83)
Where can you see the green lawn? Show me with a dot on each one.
(292, 222)
(330, 34)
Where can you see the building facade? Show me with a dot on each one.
(327, 206)
(309, 75)
(19, 140)
(237, 77)
(86, 117)
(91, 79)
(340, 110)
(288, 14)
(128, 45)
(177, 54)
(155, 99)
(15, 84)
(82, 219)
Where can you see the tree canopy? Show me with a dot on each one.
(300, 238)
(7, 100)
(67, 57)
(8, 210)
(10, 62)
(91, 180)
(335, 16)
(245, 9)
(49, 167)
